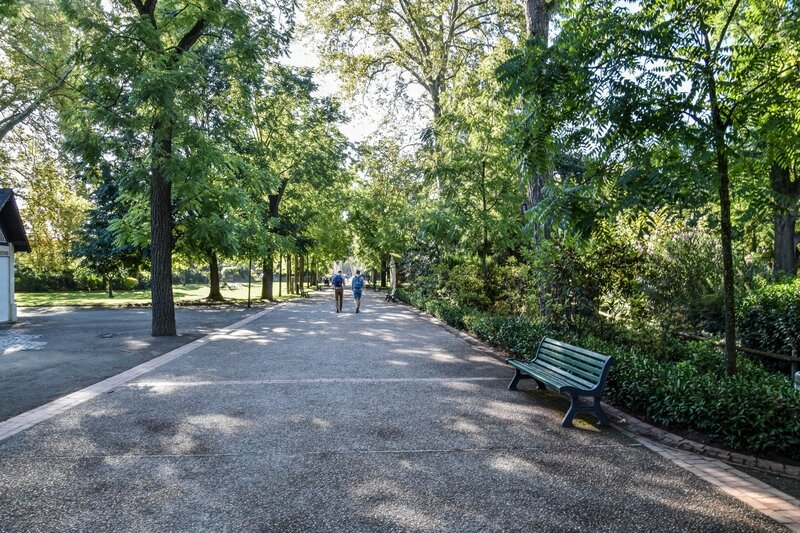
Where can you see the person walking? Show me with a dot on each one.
(338, 290)
(358, 285)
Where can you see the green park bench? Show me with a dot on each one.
(299, 290)
(568, 370)
(390, 296)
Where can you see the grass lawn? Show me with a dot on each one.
(190, 292)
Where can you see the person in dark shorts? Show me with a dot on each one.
(358, 285)
(338, 290)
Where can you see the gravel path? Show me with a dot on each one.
(308, 420)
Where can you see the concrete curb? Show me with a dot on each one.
(632, 425)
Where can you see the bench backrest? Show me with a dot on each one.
(586, 368)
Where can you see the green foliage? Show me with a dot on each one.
(38, 50)
(128, 283)
(382, 208)
(770, 318)
(97, 246)
(679, 282)
(463, 284)
(753, 411)
(27, 279)
(52, 206)
(510, 288)
(84, 281)
(517, 335)
(387, 44)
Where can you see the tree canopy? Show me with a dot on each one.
(583, 163)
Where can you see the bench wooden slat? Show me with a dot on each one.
(594, 359)
(588, 365)
(593, 365)
(577, 349)
(554, 378)
(564, 378)
(569, 366)
(570, 370)
(589, 374)
(560, 379)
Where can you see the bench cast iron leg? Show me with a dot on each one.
(602, 419)
(573, 406)
(515, 379)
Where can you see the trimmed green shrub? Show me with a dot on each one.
(128, 283)
(87, 281)
(514, 334)
(769, 318)
(28, 280)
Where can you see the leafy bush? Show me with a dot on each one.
(753, 411)
(769, 318)
(452, 314)
(128, 283)
(514, 334)
(463, 285)
(28, 280)
(511, 288)
(87, 281)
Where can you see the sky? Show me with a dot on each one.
(362, 123)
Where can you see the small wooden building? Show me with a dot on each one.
(12, 239)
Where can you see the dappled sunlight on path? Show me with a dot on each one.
(304, 419)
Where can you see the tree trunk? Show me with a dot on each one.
(110, 290)
(787, 195)
(214, 292)
(163, 319)
(537, 18)
(267, 290)
(727, 264)
(726, 230)
(301, 270)
(289, 286)
(383, 273)
(280, 275)
(537, 23)
(484, 210)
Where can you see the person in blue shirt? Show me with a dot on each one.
(338, 290)
(358, 285)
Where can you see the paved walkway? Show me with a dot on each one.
(301, 419)
(53, 351)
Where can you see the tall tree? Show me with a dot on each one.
(408, 42)
(142, 79)
(297, 141)
(53, 205)
(669, 70)
(38, 50)
(97, 246)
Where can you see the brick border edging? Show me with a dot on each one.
(630, 424)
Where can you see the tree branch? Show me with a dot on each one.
(725, 29)
(191, 37)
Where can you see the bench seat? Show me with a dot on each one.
(568, 370)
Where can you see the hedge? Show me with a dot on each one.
(769, 318)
